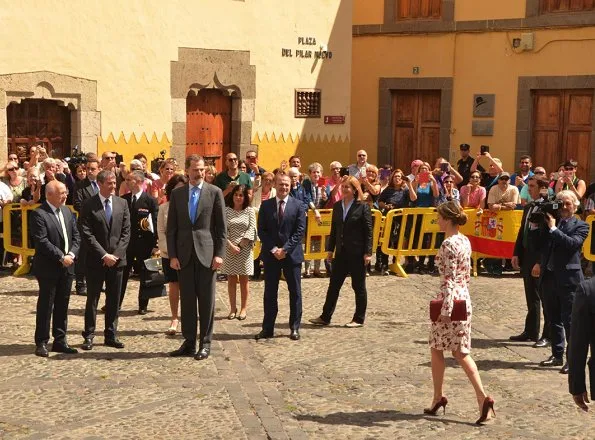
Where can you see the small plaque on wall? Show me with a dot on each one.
(483, 105)
(482, 128)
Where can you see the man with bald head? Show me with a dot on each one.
(57, 240)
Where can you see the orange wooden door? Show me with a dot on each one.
(562, 129)
(208, 126)
(416, 126)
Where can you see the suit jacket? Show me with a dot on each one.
(565, 244)
(354, 235)
(83, 191)
(142, 241)
(528, 256)
(287, 235)
(582, 334)
(206, 236)
(49, 240)
(102, 238)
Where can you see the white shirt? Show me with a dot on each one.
(284, 208)
(346, 208)
(137, 195)
(103, 199)
(62, 222)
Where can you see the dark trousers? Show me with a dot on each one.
(138, 264)
(80, 265)
(534, 305)
(272, 275)
(52, 304)
(342, 266)
(113, 284)
(558, 302)
(197, 297)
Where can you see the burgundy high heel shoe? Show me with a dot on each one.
(441, 403)
(488, 404)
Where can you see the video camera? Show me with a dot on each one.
(544, 206)
(76, 158)
(156, 163)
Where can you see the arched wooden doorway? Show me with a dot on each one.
(208, 125)
(38, 121)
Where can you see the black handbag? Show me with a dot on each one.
(152, 291)
(152, 275)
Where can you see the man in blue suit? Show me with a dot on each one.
(281, 226)
(559, 271)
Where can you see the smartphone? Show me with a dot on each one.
(385, 174)
(556, 176)
(444, 167)
(344, 172)
(484, 149)
(424, 177)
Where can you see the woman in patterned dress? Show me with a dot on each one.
(454, 264)
(239, 257)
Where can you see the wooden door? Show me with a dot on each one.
(208, 125)
(418, 9)
(416, 126)
(562, 129)
(36, 122)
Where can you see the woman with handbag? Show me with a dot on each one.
(452, 328)
(239, 257)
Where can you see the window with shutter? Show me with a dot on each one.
(418, 9)
(565, 6)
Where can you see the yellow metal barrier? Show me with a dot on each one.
(23, 247)
(588, 248)
(417, 235)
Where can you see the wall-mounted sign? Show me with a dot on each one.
(483, 105)
(334, 119)
(482, 128)
(307, 53)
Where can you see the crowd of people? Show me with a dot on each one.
(198, 230)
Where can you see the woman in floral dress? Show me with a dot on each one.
(454, 264)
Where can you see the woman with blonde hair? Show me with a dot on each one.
(210, 173)
(454, 264)
(167, 168)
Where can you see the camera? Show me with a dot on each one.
(484, 149)
(156, 163)
(538, 216)
(76, 158)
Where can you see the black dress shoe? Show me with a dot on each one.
(203, 353)
(263, 335)
(81, 290)
(142, 311)
(41, 350)
(186, 349)
(113, 343)
(543, 342)
(523, 337)
(63, 348)
(295, 335)
(87, 344)
(564, 369)
(552, 361)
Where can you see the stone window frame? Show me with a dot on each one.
(524, 126)
(535, 18)
(385, 111)
(448, 13)
(226, 70)
(78, 94)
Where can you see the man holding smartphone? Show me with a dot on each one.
(226, 180)
(358, 169)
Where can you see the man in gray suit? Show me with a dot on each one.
(105, 228)
(196, 236)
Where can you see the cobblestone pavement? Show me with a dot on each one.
(336, 382)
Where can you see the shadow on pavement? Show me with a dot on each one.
(493, 364)
(21, 293)
(373, 418)
(16, 349)
(486, 343)
(116, 355)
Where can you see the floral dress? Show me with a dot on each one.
(454, 263)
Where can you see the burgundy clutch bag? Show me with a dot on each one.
(459, 310)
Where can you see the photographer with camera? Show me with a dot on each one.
(559, 269)
(524, 258)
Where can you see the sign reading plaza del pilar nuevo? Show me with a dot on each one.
(307, 53)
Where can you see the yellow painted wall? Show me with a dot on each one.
(129, 147)
(489, 9)
(485, 63)
(368, 11)
(310, 149)
(127, 47)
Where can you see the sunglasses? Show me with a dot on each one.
(569, 168)
(250, 157)
(361, 155)
(504, 178)
(232, 159)
(11, 169)
(539, 172)
(474, 177)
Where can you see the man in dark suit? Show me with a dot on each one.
(196, 237)
(84, 190)
(105, 225)
(582, 335)
(57, 242)
(281, 226)
(351, 242)
(524, 258)
(143, 232)
(560, 272)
